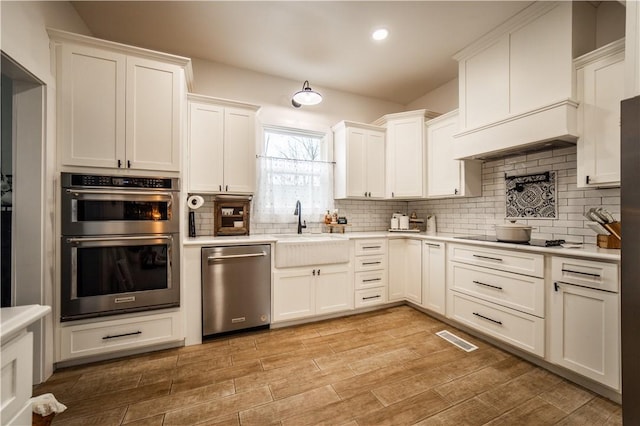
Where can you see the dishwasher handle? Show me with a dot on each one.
(236, 256)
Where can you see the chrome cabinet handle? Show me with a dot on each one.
(487, 285)
(488, 257)
(487, 318)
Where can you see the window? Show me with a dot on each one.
(293, 167)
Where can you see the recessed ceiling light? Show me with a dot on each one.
(380, 34)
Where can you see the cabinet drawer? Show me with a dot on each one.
(372, 246)
(525, 294)
(371, 279)
(110, 336)
(370, 297)
(371, 263)
(516, 328)
(586, 273)
(509, 261)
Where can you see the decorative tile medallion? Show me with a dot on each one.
(532, 196)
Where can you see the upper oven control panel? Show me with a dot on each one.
(84, 180)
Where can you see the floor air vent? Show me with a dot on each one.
(453, 339)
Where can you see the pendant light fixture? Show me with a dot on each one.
(306, 96)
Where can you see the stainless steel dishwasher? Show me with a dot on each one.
(236, 288)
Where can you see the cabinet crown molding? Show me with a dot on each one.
(346, 123)
(221, 101)
(427, 114)
(519, 20)
(612, 48)
(60, 36)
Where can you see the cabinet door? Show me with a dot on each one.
(484, 85)
(600, 89)
(334, 289)
(443, 172)
(397, 269)
(375, 164)
(91, 106)
(293, 294)
(356, 163)
(433, 277)
(405, 157)
(239, 151)
(585, 332)
(154, 99)
(413, 277)
(205, 147)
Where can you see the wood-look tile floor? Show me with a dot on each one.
(379, 368)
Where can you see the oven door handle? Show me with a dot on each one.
(121, 238)
(78, 192)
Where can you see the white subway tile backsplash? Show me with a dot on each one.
(486, 211)
(471, 216)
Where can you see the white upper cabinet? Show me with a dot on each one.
(118, 106)
(515, 83)
(406, 170)
(222, 146)
(447, 177)
(600, 86)
(359, 151)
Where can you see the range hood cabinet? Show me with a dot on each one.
(552, 127)
(517, 82)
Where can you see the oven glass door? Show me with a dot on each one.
(104, 275)
(96, 212)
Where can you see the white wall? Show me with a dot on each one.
(442, 99)
(23, 37)
(274, 95)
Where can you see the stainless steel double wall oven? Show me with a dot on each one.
(120, 245)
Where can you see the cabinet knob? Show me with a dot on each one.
(220, 188)
(226, 188)
(318, 271)
(365, 193)
(119, 163)
(587, 179)
(314, 272)
(369, 194)
(128, 164)
(455, 191)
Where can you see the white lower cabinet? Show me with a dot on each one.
(585, 331)
(486, 293)
(405, 270)
(308, 291)
(17, 378)
(516, 328)
(433, 277)
(106, 336)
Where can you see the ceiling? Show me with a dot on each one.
(327, 43)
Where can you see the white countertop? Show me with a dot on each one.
(16, 318)
(587, 250)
